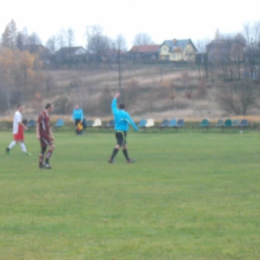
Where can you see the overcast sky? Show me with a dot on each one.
(162, 20)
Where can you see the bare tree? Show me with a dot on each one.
(252, 51)
(70, 36)
(142, 39)
(201, 57)
(70, 42)
(34, 39)
(237, 97)
(226, 56)
(61, 36)
(97, 42)
(202, 45)
(51, 44)
(252, 34)
(120, 42)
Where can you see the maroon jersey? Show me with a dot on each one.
(44, 123)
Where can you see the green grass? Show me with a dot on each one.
(188, 196)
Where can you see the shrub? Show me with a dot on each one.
(62, 106)
(131, 93)
(202, 89)
(237, 97)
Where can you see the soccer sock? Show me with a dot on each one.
(125, 154)
(41, 156)
(23, 147)
(115, 151)
(48, 155)
(40, 160)
(12, 144)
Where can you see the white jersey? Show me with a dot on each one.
(17, 119)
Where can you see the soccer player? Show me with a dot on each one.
(45, 136)
(122, 121)
(18, 127)
(78, 116)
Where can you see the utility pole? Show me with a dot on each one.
(119, 73)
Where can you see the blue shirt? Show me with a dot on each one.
(77, 114)
(122, 118)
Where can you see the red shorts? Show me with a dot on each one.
(46, 141)
(19, 136)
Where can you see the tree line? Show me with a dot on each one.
(234, 58)
(96, 40)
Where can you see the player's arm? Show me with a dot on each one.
(114, 103)
(37, 128)
(51, 134)
(131, 122)
(23, 125)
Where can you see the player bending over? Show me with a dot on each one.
(122, 120)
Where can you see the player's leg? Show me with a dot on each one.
(19, 137)
(120, 139)
(23, 147)
(125, 151)
(44, 144)
(41, 156)
(11, 145)
(76, 125)
(48, 155)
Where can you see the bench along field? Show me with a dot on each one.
(190, 195)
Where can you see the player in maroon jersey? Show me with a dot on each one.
(45, 136)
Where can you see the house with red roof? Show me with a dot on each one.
(144, 52)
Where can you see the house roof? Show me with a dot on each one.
(178, 44)
(145, 48)
(224, 43)
(35, 48)
(69, 49)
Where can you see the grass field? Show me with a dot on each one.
(188, 196)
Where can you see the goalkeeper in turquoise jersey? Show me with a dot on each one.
(122, 121)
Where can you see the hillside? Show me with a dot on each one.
(154, 91)
(147, 91)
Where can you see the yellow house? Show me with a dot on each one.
(177, 50)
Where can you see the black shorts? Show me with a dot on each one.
(77, 121)
(121, 137)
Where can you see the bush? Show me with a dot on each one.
(237, 97)
(62, 106)
(131, 93)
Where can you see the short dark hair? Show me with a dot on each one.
(19, 105)
(121, 106)
(48, 106)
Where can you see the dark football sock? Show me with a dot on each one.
(40, 160)
(115, 151)
(48, 155)
(126, 154)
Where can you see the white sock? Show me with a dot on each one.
(12, 144)
(23, 147)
